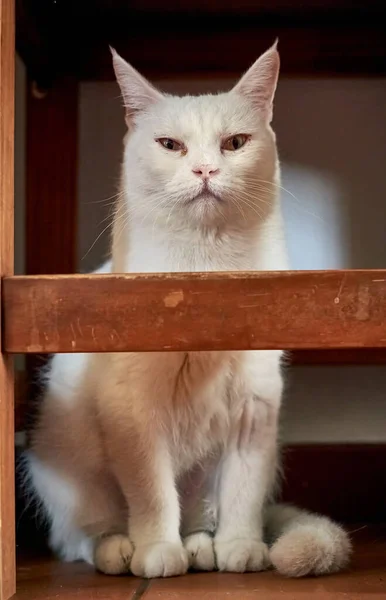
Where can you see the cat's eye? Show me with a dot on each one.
(170, 144)
(235, 142)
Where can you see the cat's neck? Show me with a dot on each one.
(145, 248)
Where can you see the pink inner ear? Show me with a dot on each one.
(258, 84)
(138, 94)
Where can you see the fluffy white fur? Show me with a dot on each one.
(153, 462)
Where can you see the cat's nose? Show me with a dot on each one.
(205, 171)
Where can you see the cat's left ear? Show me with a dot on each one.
(260, 81)
(138, 94)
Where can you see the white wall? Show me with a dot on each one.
(335, 404)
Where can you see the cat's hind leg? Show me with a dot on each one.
(86, 518)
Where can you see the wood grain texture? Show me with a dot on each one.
(7, 488)
(43, 578)
(200, 311)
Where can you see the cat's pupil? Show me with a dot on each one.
(236, 143)
(169, 144)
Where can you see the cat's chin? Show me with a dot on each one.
(206, 209)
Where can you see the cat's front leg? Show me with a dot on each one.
(199, 515)
(143, 467)
(154, 517)
(249, 466)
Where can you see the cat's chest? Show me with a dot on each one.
(199, 419)
(190, 255)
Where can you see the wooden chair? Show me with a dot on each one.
(341, 315)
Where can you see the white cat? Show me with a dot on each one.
(154, 462)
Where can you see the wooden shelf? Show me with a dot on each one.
(322, 37)
(45, 579)
(196, 311)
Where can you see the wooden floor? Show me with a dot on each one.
(47, 579)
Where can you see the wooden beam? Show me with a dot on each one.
(332, 50)
(7, 474)
(322, 37)
(199, 311)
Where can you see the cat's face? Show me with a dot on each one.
(202, 160)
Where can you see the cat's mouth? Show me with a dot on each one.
(206, 195)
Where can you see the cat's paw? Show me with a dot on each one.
(163, 559)
(311, 550)
(199, 547)
(112, 554)
(240, 555)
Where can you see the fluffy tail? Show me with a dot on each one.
(302, 543)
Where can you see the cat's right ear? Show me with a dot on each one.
(259, 82)
(137, 93)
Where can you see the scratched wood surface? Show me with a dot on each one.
(212, 311)
(7, 477)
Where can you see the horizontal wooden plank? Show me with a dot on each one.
(305, 50)
(322, 37)
(200, 311)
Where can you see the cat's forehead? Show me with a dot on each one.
(195, 116)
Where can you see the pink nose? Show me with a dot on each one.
(205, 171)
